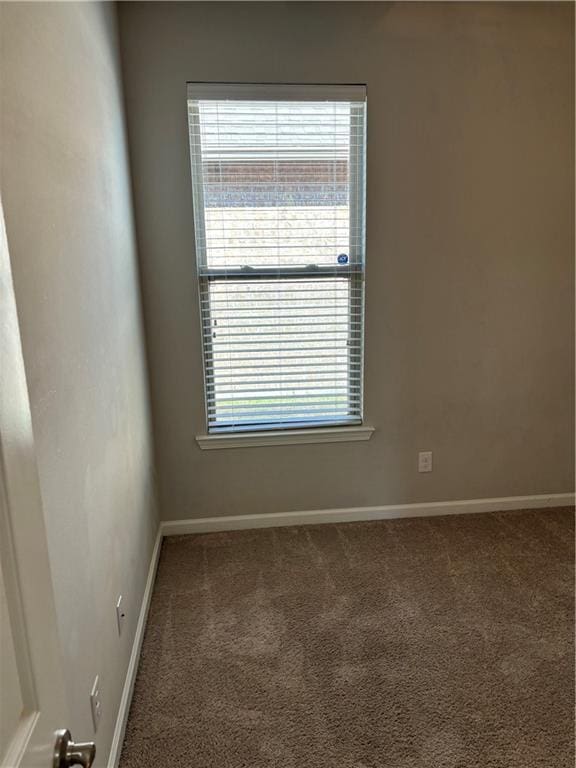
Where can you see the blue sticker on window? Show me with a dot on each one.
(343, 258)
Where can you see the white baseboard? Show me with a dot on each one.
(126, 699)
(356, 514)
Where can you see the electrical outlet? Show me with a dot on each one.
(425, 461)
(95, 703)
(120, 614)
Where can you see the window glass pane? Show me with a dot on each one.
(276, 181)
(278, 188)
(281, 351)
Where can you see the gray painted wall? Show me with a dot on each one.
(66, 195)
(469, 313)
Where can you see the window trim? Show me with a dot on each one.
(335, 434)
(219, 91)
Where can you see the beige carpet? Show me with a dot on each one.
(425, 643)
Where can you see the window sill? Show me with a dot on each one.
(285, 437)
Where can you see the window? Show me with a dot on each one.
(278, 182)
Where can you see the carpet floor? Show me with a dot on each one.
(442, 642)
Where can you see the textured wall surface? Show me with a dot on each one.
(66, 195)
(469, 302)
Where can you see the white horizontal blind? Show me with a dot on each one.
(278, 175)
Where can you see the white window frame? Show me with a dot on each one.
(356, 430)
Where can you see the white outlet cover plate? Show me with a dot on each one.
(425, 461)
